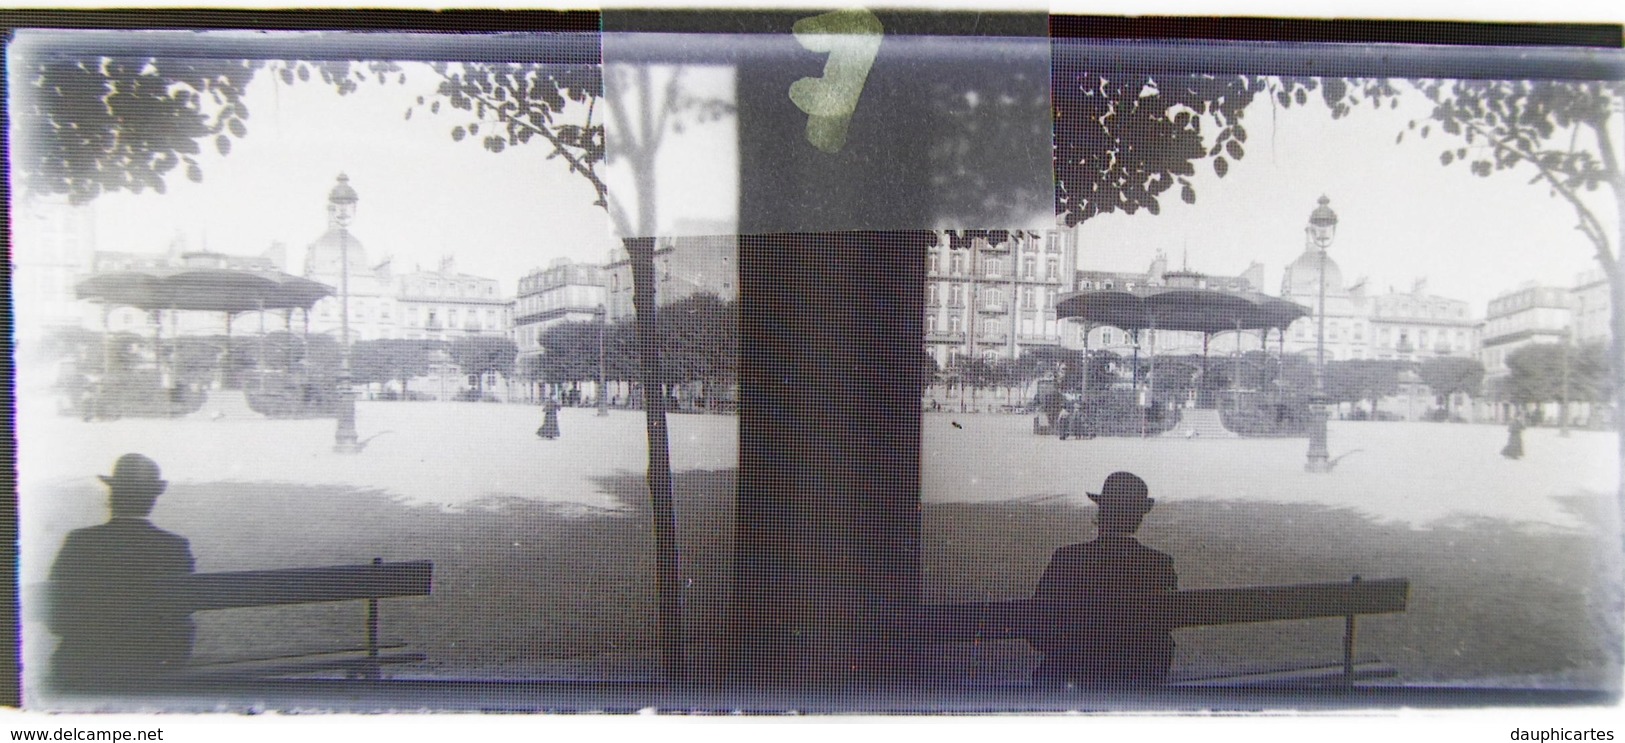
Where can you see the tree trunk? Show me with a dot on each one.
(673, 657)
(1616, 345)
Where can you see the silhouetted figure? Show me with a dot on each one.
(1514, 447)
(1052, 403)
(550, 420)
(111, 608)
(1113, 645)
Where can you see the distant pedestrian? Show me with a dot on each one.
(550, 420)
(1514, 447)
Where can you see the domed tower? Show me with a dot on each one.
(1302, 276)
(325, 257)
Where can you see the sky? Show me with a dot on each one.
(1402, 216)
(422, 196)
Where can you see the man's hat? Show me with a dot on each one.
(1124, 490)
(133, 469)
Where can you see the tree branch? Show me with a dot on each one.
(559, 148)
(667, 105)
(625, 138)
(1590, 224)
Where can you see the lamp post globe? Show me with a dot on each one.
(1320, 231)
(341, 203)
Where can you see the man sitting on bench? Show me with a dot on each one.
(1110, 644)
(115, 617)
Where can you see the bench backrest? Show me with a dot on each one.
(207, 591)
(1028, 618)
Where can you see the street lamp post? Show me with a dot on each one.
(1321, 229)
(341, 207)
(603, 399)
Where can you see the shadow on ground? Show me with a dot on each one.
(1491, 603)
(522, 589)
(525, 589)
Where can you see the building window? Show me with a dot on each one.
(933, 264)
(956, 263)
(1027, 299)
(1087, 284)
(1052, 270)
(931, 324)
(953, 324)
(931, 296)
(990, 267)
(1027, 268)
(956, 296)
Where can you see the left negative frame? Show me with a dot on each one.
(219, 232)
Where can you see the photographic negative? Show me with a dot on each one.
(994, 370)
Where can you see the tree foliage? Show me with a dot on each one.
(512, 104)
(1448, 375)
(1123, 140)
(386, 360)
(1536, 374)
(89, 125)
(570, 353)
(699, 340)
(1561, 130)
(1565, 135)
(480, 355)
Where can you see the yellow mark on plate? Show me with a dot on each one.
(851, 37)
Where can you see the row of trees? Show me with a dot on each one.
(1538, 373)
(698, 334)
(698, 345)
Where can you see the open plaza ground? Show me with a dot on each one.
(543, 551)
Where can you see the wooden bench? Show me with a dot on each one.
(1032, 618)
(251, 588)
